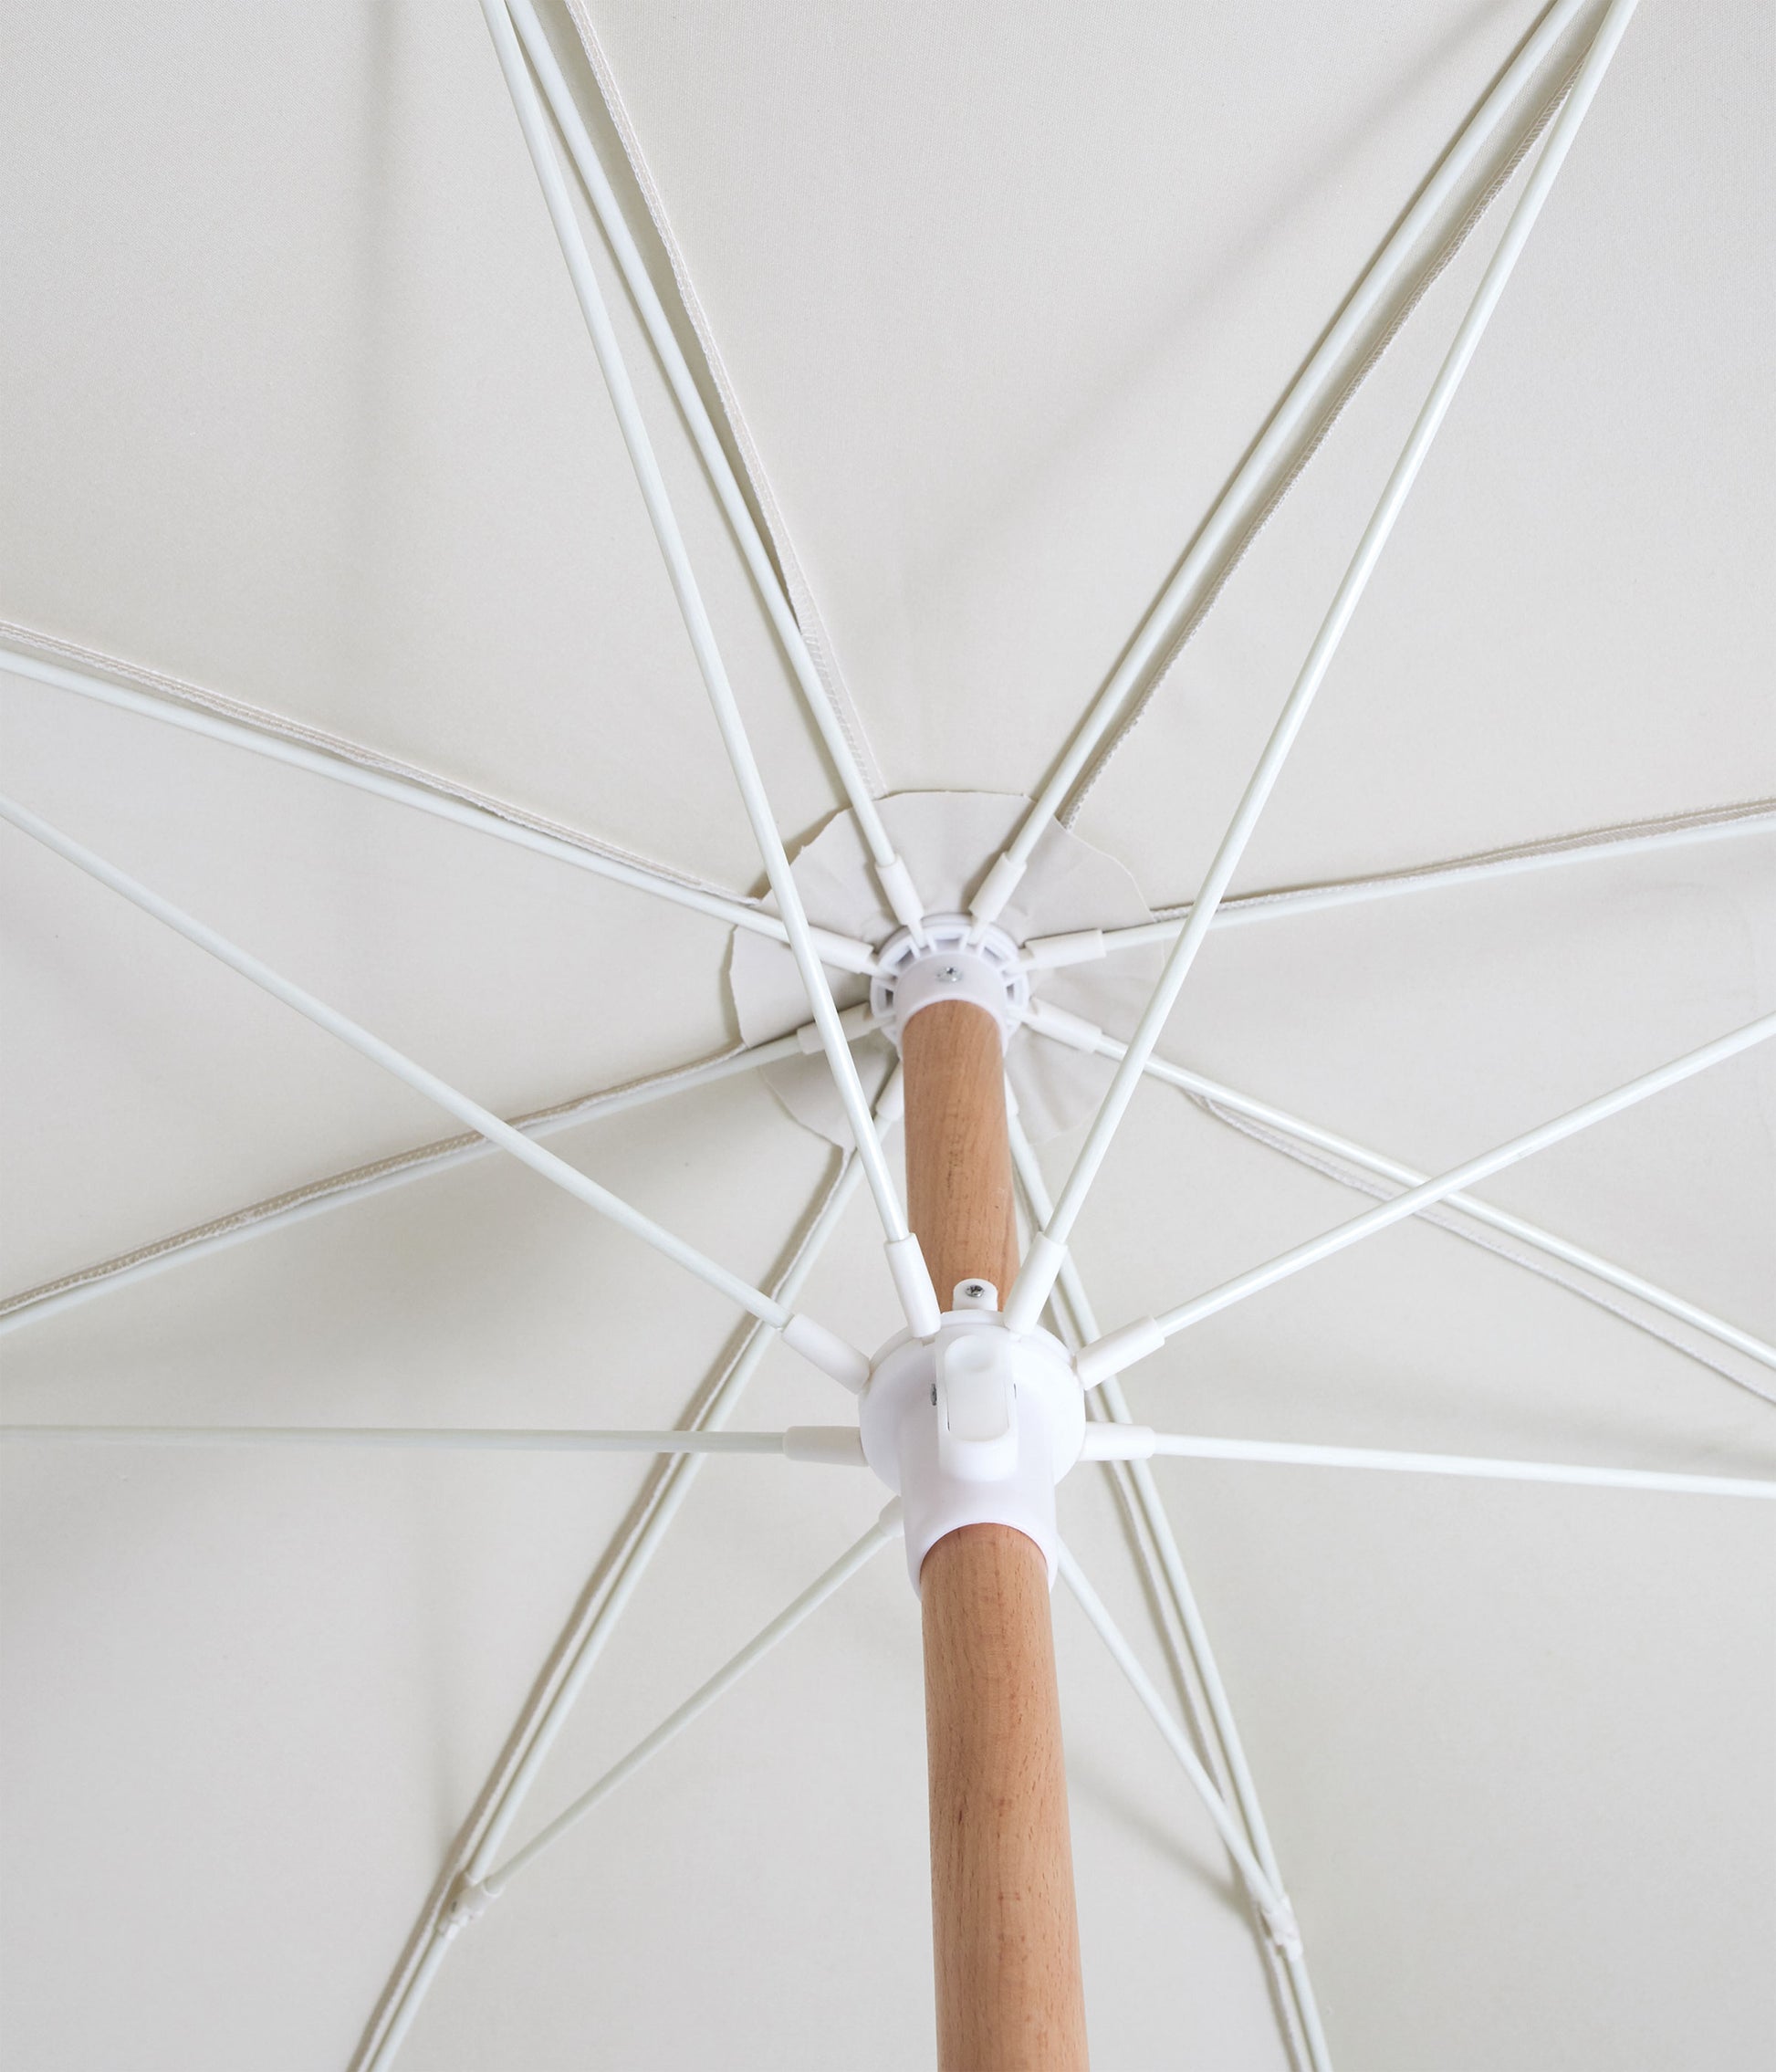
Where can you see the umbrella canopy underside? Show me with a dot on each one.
(299, 411)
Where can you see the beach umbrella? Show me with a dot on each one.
(889, 917)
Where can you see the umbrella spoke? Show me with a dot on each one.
(1194, 1665)
(359, 1183)
(1122, 1348)
(1290, 1955)
(886, 1528)
(1287, 1454)
(1079, 1034)
(584, 1643)
(1718, 824)
(408, 790)
(1272, 1903)
(892, 874)
(1287, 440)
(812, 1340)
(906, 1263)
(478, 1887)
(1041, 1268)
(430, 1439)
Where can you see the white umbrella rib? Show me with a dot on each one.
(440, 1438)
(634, 1561)
(1293, 420)
(583, 854)
(1272, 1903)
(892, 872)
(1122, 1347)
(1080, 1034)
(1038, 1274)
(906, 1263)
(474, 1896)
(885, 1529)
(826, 1351)
(1160, 1557)
(1717, 823)
(381, 1176)
(1286, 1454)
(602, 1608)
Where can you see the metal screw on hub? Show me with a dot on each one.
(951, 974)
(975, 1287)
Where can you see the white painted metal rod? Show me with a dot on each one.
(565, 1177)
(1159, 1525)
(1459, 1177)
(1040, 1268)
(1084, 1035)
(732, 911)
(633, 1562)
(422, 1438)
(534, 122)
(1242, 910)
(1178, 1589)
(406, 2011)
(886, 1528)
(1281, 1453)
(896, 883)
(1270, 1903)
(1526, 1232)
(1163, 1564)
(35, 1305)
(550, 1708)
(1246, 493)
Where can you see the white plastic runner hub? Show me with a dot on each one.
(946, 966)
(974, 1427)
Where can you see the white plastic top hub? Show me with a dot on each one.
(987, 974)
(974, 1427)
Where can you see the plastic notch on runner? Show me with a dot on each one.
(977, 1408)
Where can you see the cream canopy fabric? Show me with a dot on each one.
(299, 411)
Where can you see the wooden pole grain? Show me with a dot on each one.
(1004, 1928)
(958, 1156)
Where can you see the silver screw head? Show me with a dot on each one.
(949, 974)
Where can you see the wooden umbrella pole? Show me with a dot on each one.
(1004, 1928)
